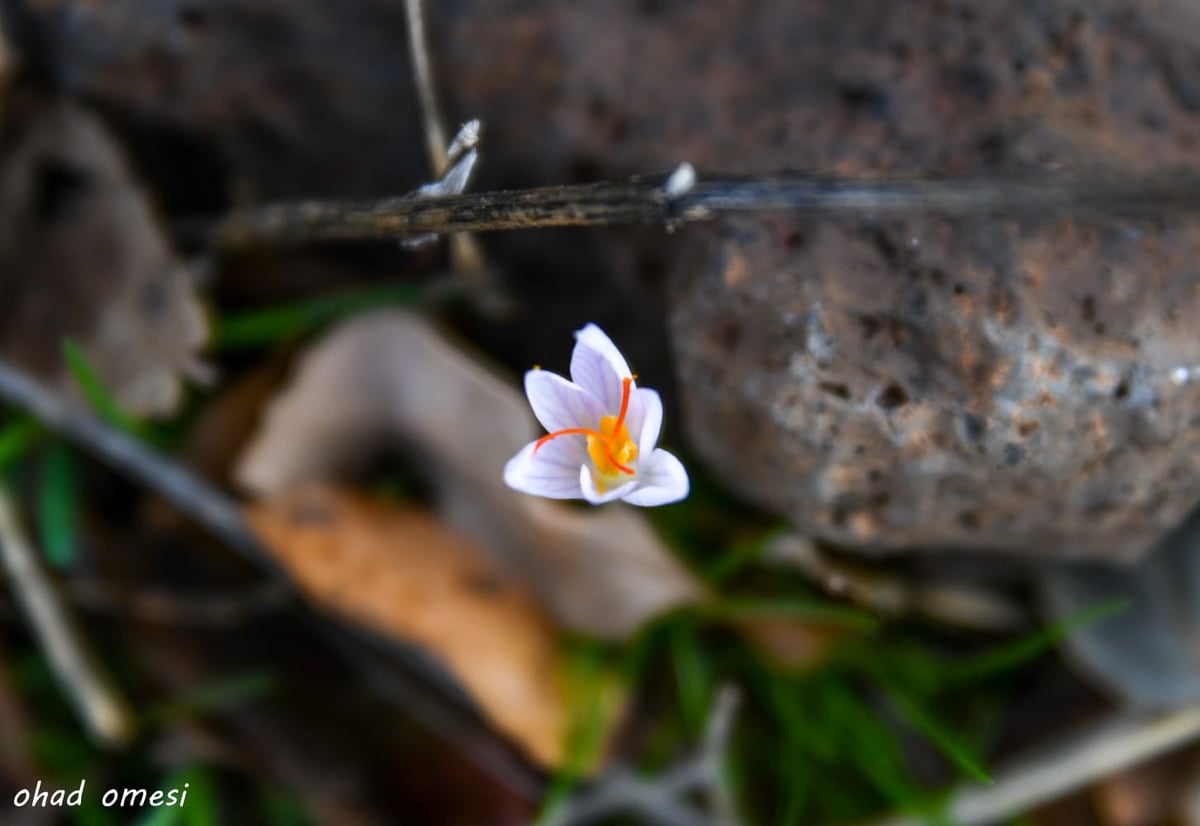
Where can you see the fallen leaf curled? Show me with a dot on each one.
(387, 381)
(1146, 653)
(398, 570)
(82, 257)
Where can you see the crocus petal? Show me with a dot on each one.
(644, 419)
(559, 404)
(587, 484)
(552, 472)
(661, 480)
(598, 367)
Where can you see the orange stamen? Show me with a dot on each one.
(626, 389)
(618, 465)
(551, 436)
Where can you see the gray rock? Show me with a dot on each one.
(1010, 385)
(1020, 386)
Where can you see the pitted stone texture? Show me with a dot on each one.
(1013, 386)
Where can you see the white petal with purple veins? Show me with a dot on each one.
(552, 472)
(559, 404)
(661, 480)
(598, 367)
(587, 484)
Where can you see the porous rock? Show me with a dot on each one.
(950, 384)
(1016, 385)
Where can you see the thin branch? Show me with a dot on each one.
(651, 201)
(192, 495)
(222, 610)
(104, 713)
(952, 603)
(465, 254)
(1100, 750)
(662, 799)
(431, 113)
(164, 607)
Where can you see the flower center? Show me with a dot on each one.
(610, 448)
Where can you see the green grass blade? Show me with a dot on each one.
(221, 695)
(741, 555)
(165, 816)
(57, 505)
(923, 721)
(875, 750)
(197, 809)
(261, 328)
(101, 400)
(587, 673)
(1010, 655)
(17, 439)
(201, 806)
(693, 676)
(284, 808)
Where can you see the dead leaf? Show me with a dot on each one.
(1144, 794)
(81, 256)
(400, 571)
(387, 381)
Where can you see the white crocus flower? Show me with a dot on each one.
(602, 430)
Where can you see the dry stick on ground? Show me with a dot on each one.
(104, 712)
(163, 607)
(185, 490)
(465, 254)
(956, 604)
(663, 799)
(1100, 750)
(218, 610)
(651, 201)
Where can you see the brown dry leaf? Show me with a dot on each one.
(81, 256)
(1144, 794)
(399, 571)
(387, 380)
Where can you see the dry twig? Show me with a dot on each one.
(465, 254)
(1118, 743)
(652, 201)
(220, 610)
(958, 604)
(189, 493)
(663, 799)
(104, 713)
